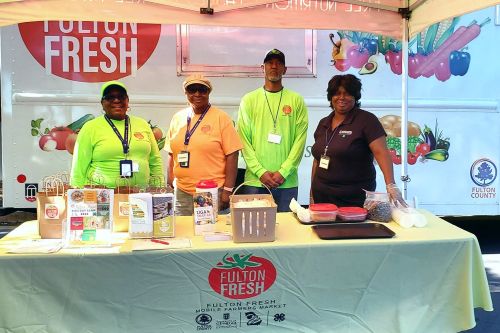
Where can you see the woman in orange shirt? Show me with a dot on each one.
(202, 144)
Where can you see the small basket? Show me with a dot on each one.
(253, 224)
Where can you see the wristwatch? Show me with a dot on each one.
(229, 189)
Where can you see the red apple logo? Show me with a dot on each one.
(242, 276)
(51, 211)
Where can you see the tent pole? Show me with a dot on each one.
(404, 108)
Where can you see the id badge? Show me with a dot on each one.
(274, 138)
(126, 168)
(324, 162)
(183, 159)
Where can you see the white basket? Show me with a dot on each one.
(253, 224)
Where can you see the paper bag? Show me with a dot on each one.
(51, 208)
(121, 204)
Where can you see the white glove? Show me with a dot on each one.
(395, 196)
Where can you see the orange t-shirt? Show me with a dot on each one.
(214, 138)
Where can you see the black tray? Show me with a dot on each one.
(353, 231)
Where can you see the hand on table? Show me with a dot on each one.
(395, 196)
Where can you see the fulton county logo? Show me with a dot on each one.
(241, 276)
(203, 319)
(483, 172)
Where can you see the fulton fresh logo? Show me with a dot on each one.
(88, 51)
(240, 276)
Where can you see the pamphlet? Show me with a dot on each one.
(204, 220)
(89, 217)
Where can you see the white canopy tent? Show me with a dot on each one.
(400, 19)
(381, 16)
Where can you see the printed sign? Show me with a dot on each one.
(88, 51)
(242, 276)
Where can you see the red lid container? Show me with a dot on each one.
(352, 213)
(322, 207)
(323, 212)
(205, 184)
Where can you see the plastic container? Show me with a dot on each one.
(253, 224)
(378, 206)
(321, 212)
(352, 214)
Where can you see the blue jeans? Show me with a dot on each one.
(282, 196)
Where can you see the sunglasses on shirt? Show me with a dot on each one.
(111, 98)
(192, 89)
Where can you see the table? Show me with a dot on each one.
(422, 280)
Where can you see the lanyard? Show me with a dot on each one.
(328, 140)
(189, 132)
(275, 118)
(123, 140)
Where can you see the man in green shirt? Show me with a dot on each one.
(272, 123)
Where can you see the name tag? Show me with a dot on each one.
(126, 168)
(183, 159)
(324, 162)
(274, 138)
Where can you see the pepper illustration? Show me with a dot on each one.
(459, 62)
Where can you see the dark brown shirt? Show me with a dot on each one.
(351, 168)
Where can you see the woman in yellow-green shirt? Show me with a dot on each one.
(115, 145)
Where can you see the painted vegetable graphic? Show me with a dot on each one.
(59, 137)
(437, 155)
(339, 52)
(158, 134)
(427, 144)
(458, 40)
(394, 59)
(459, 62)
(436, 145)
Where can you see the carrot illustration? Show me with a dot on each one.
(460, 38)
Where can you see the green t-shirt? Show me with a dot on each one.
(259, 111)
(98, 152)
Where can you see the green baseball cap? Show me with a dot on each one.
(112, 84)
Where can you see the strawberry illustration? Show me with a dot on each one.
(242, 276)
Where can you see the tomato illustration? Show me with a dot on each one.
(357, 56)
(342, 64)
(395, 61)
(412, 158)
(414, 63)
(423, 148)
(396, 159)
(59, 134)
(242, 276)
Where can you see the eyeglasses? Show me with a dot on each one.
(111, 98)
(344, 95)
(192, 89)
